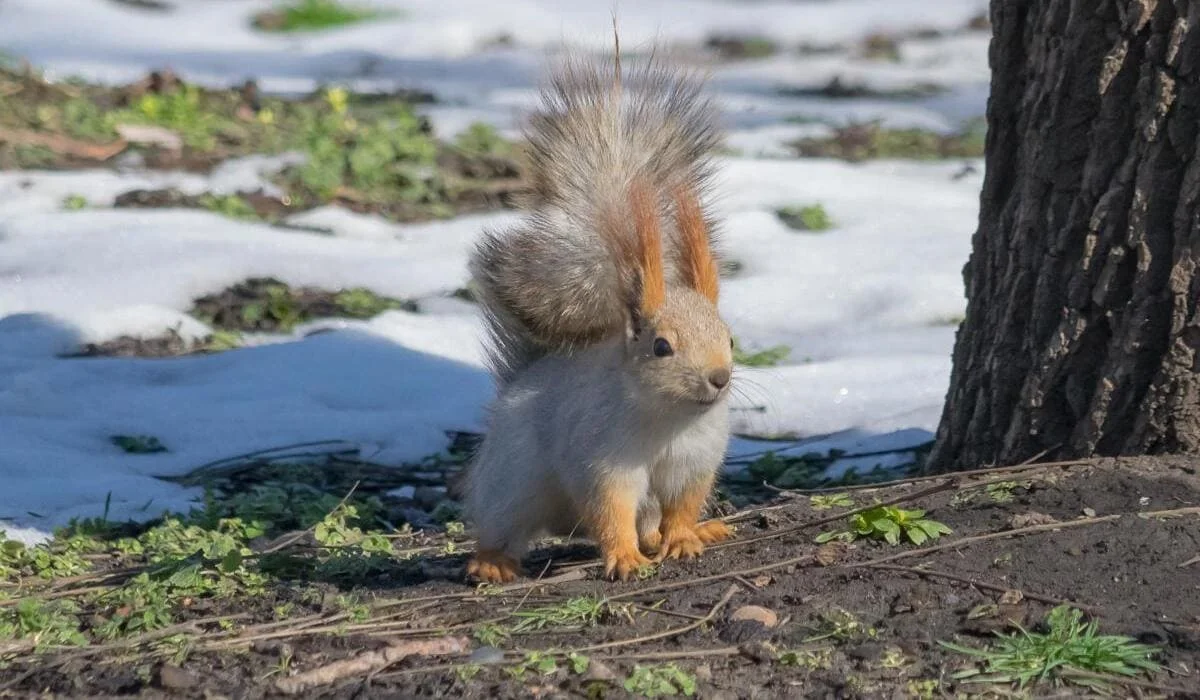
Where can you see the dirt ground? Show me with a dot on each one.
(1118, 539)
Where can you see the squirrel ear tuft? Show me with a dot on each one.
(699, 266)
(653, 284)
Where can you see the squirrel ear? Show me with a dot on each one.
(699, 266)
(650, 254)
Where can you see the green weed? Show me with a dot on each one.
(360, 302)
(313, 15)
(858, 142)
(768, 357)
(491, 634)
(578, 663)
(44, 623)
(181, 110)
(1000, 493)
(44, 561)
(660, 681)
(807, 471)
(811, 659)
(843, 626)
(827, 501)
(889, 524)
(74, 202)
(812, 217)
(229, 205)
(537, 662)
(1069, 644)
(390, 157)
(221, 340)
(582, 611)
(138, 444)
(481, 139)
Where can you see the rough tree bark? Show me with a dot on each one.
(1082, 333)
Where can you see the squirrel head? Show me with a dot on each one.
(676, 341)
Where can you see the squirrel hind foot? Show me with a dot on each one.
(493, 566)
(712, 531)
(682, 543)
(650, 542)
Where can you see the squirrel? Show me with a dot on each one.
(612, 364)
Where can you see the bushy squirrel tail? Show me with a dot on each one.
(560, 279)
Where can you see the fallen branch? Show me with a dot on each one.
(1082, 522)
(369, 663)
(948, 485)
(925, 573)
(794, 561)
(63, 145)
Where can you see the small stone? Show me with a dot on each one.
(748, 623)
(1089, 512)
(761, 581)
(757, 613)
(172, 677)
(599, 671)
(704, 673)
(485, 656)
(1030, 519)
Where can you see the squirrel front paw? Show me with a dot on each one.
(622, 563)
(492, 566)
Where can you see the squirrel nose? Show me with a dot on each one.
(719, 377)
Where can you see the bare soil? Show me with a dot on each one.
(1119, 539)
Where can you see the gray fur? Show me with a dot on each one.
(550, 284)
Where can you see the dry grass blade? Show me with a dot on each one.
(712, 613)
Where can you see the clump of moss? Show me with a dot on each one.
(267, 305)
(811, 217)
(312, 15)
(859, 142)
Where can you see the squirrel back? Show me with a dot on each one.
(603, 136)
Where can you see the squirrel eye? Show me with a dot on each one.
(662, 348)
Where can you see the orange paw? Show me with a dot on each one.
(650, 542)
(492, 566)
(619, 564)
(712, 531)
(681, 543)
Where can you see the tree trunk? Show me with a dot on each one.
(1082, 333)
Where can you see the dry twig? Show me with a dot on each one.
(369, 663)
